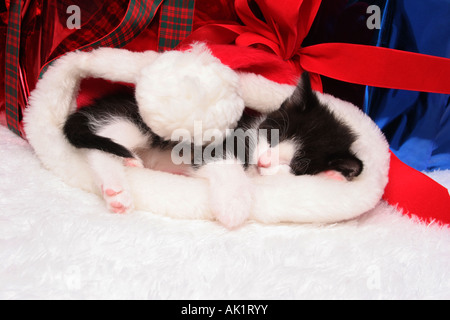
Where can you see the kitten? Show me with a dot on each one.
(320, 142)
(302, 137)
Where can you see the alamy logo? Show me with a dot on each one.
(374, 21)
(74, 20)
(213, 145)
(374, 277)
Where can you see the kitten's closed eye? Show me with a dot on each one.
(349, 166)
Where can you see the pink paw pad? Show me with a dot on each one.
(117, 207)
(133, 163)
(111, 192)
(118, 199)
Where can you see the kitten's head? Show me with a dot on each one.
(311, 139)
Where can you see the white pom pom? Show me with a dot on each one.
(182, 90)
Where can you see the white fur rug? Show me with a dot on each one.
(57, 242)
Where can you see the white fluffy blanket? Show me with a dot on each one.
(60, 242)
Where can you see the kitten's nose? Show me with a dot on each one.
(265, 160)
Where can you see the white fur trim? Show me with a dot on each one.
(255, 97)
(277, 198)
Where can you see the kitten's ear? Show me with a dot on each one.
(349, 165)
(303, 97)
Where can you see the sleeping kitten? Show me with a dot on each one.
(302, 137)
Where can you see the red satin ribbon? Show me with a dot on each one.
(416, 194)
(282, 33)
(378, 67)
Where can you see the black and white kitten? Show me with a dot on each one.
(308, 140)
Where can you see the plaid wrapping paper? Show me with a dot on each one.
(175, 24)
(138, 16)
(12, 67)
(104, 22)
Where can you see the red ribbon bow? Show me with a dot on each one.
(281, 27)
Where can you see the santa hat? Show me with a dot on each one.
(277, 198)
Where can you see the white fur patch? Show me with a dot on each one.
(124, 133)
(230, 195)
(278, 157)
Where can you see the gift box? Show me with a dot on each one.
(341, 43)
(417, 124)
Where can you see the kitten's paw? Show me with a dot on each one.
(230, 191)
(232, 212)
(118, 200)
(133, 162)
(231, 220)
